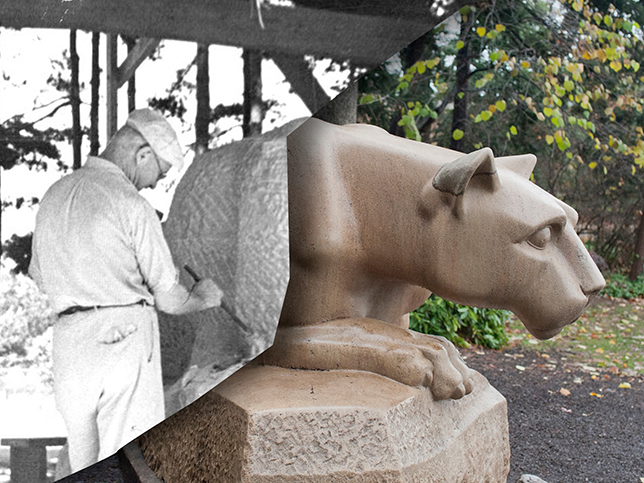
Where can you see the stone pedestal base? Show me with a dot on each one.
(268, 424)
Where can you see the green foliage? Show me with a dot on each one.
(22, 142)
(24, 316)
(460, 324)
(18, 248)
(557, 78)
(619, 286)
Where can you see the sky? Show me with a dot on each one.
(26, 58)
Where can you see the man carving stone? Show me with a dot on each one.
(100, 256)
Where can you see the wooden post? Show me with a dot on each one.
(253, 107)
(28, 458)
(94, 144)
(202, 122)
(131, 82)
(112, 86)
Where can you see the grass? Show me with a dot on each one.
(608, 337)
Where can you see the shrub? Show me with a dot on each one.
(619, 286)
(460, 324)
(24, 314)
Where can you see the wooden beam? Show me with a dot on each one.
(304, 84)
(141, 51)
(367, 40)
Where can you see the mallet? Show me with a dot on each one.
(223, 305)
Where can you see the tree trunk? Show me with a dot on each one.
(202, 122)
(253, 107)
(459, 115)
(95, 83)
(638, 258)
(408, 57)
(74, 95)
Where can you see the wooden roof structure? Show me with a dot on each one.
(365, 32)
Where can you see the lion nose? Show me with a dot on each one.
(592, 292)
(591, 279)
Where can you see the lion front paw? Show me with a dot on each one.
(441, 367)
(371, 345)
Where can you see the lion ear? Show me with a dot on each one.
(522, 164)
(454, 177)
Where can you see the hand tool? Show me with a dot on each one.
(223, 305)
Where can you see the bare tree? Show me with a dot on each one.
(74, 96)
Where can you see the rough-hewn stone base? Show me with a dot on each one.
(331, 426)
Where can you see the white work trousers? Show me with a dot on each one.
(107, 379)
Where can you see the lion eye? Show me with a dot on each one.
(540, 238)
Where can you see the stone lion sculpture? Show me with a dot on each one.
(377, 222)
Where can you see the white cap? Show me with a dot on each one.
(158, 133)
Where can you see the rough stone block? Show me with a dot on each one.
(331, 426)
(229, 222)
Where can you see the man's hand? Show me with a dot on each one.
(205, 294)
(208, 293)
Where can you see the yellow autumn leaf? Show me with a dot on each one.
(624, 385)
(457, 134)
(596, 395)
(460, 44)
(513, 130)
(501, 105)
(500, 28)
(592, 165)
(525, 64)
(550, 139)
(599, 350)
(481, 31)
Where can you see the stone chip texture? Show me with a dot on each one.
(333, 426)
(229, 222)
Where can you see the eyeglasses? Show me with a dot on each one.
(162, 174)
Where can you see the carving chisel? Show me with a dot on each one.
(223, 305)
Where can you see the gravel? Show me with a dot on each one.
(565, 425)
